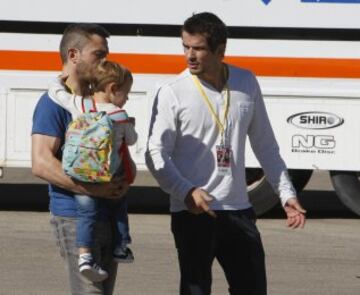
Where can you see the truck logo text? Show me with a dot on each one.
(313, 141)
(311, 144)
(315, 120)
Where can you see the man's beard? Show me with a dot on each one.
(84, 72)
(196, 72)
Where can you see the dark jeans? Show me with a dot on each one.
(88, 210)
(64, 230)
(232, 238)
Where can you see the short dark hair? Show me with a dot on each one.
(76, 36)
(208, 24)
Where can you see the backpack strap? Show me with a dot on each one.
(88, 105)
(119, 116)
(125, 157)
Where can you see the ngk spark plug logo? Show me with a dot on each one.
(315, 120)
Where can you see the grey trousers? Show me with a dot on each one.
(104, 234)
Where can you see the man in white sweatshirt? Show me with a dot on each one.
(196, 145)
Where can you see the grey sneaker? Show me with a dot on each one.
(123, 255)
(92, 271)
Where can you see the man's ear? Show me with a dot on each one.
(73, 55)
(221, 50)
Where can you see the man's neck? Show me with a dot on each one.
(216, 78)
(71, 80)
(73, 85)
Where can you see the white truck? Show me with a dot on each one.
(304, 52)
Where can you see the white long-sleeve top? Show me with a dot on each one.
(123, 132)
(181, 152)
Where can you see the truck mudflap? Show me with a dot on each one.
(347, 187)
(261, 194)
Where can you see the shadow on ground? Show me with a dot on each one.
(318, 204)
(34, 197)
(141, 199)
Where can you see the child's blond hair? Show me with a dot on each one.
(96, 78)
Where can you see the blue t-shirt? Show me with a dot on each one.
(52, 120)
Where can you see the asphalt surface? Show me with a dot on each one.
(323, 258)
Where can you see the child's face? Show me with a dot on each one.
(119, 95)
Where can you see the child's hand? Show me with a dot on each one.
(132, 120)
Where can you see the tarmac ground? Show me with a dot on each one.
(323, 258)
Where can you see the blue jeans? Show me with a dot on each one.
(104, 232)
(88, 209)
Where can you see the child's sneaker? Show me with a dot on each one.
(123, 255)
(89, 269)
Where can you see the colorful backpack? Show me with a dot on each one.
(89, 152)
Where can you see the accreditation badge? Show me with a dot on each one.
(223, 159)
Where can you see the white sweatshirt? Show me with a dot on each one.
(181, 152)
(124, 132)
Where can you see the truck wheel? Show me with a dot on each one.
(261, 194)
(347, 187)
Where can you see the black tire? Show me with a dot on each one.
(347, 187)
(261, 194)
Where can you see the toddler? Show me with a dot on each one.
(108, 84)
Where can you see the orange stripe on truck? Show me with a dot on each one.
(173, 64)
(29, 60)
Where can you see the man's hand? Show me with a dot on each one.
(295, 213)
(115, 189)
(197, 201)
